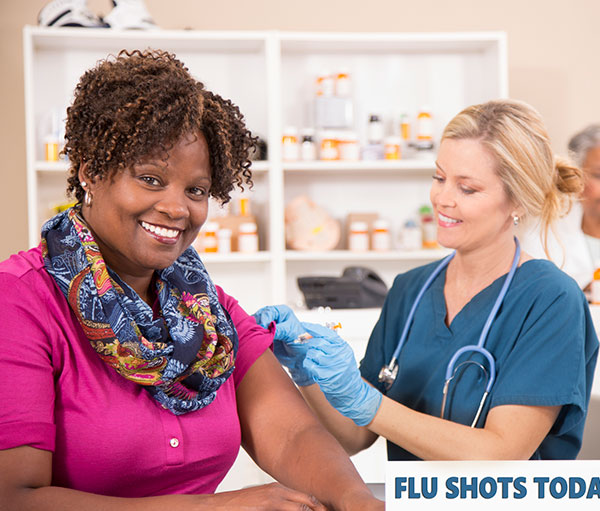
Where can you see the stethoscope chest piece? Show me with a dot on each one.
(388, 374)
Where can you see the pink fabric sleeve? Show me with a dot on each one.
(27, 390)
(253, 339)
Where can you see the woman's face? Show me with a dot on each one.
(144, 217)
(591, 192)
(468, 197)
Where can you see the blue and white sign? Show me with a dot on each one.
(478, 485)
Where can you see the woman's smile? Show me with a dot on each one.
(446, 221)
(162, 234)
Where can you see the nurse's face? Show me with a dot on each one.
(472, 207)
(591, 192)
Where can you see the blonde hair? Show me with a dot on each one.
(533, 177)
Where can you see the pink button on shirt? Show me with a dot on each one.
(108, 435)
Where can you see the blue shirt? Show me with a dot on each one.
(543, 342)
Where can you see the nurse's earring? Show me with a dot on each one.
(516, 219)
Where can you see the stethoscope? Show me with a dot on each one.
(388, 373)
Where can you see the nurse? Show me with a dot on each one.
(494, 170)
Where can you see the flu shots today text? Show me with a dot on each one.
(476, 485)
(490, 487)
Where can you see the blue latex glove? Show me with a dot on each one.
(288, 325)
(288, 329)
(330, 361)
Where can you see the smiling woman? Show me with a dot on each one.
(488, 338)
(134, 378)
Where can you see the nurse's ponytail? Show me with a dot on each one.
(533, 177)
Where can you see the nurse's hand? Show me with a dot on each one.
(287, 329)
(330, 362)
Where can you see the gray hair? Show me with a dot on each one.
(581, 143)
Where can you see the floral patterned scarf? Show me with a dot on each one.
(181, 358)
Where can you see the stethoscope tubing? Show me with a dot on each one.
(391, 370)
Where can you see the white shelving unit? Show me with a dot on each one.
(270, 76)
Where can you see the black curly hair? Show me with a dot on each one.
(139, 104)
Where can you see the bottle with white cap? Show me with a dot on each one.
(382, 240)
(248, 237)
(224, 240)
(290, 147)
(358, 237)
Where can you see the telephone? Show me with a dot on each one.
(358, 287)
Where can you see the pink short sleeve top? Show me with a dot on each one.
(107, 434)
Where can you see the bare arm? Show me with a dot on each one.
(25, 476)
(510, 432)
(353, 438)
(288, 442)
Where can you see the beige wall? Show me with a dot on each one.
(552, 57)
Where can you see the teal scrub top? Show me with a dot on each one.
(543, 342)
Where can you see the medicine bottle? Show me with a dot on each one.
(325, 84)
(358, 237)
(329, 147)
(411, 236)
(404, 127)
(210, 237)
(424, 124)
(595, 286)
(224, 240)
(392, 148)
(349, 148)
(290, 148)
(382, 241)
(343, 85)
(428, 227)
(308, 148)
(375, 131)
(51, 148)
(248, 237)
(244, 206)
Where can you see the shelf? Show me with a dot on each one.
(63, 166)
(236, 257)
(391, 166)
(78, 39)
(346, 255)
(380, 42)
(51, 166)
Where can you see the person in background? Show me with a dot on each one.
(574, 243)
(130, 378)
(487, 306)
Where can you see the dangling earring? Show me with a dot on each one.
(87, 199)
(516, 220)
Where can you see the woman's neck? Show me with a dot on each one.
(469, 272)
(484, 264)
(590, 225)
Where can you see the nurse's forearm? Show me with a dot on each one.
(353, 438)
(510, 432)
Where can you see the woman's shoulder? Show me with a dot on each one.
(546, 273)
(542, 278)
(23, 263)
